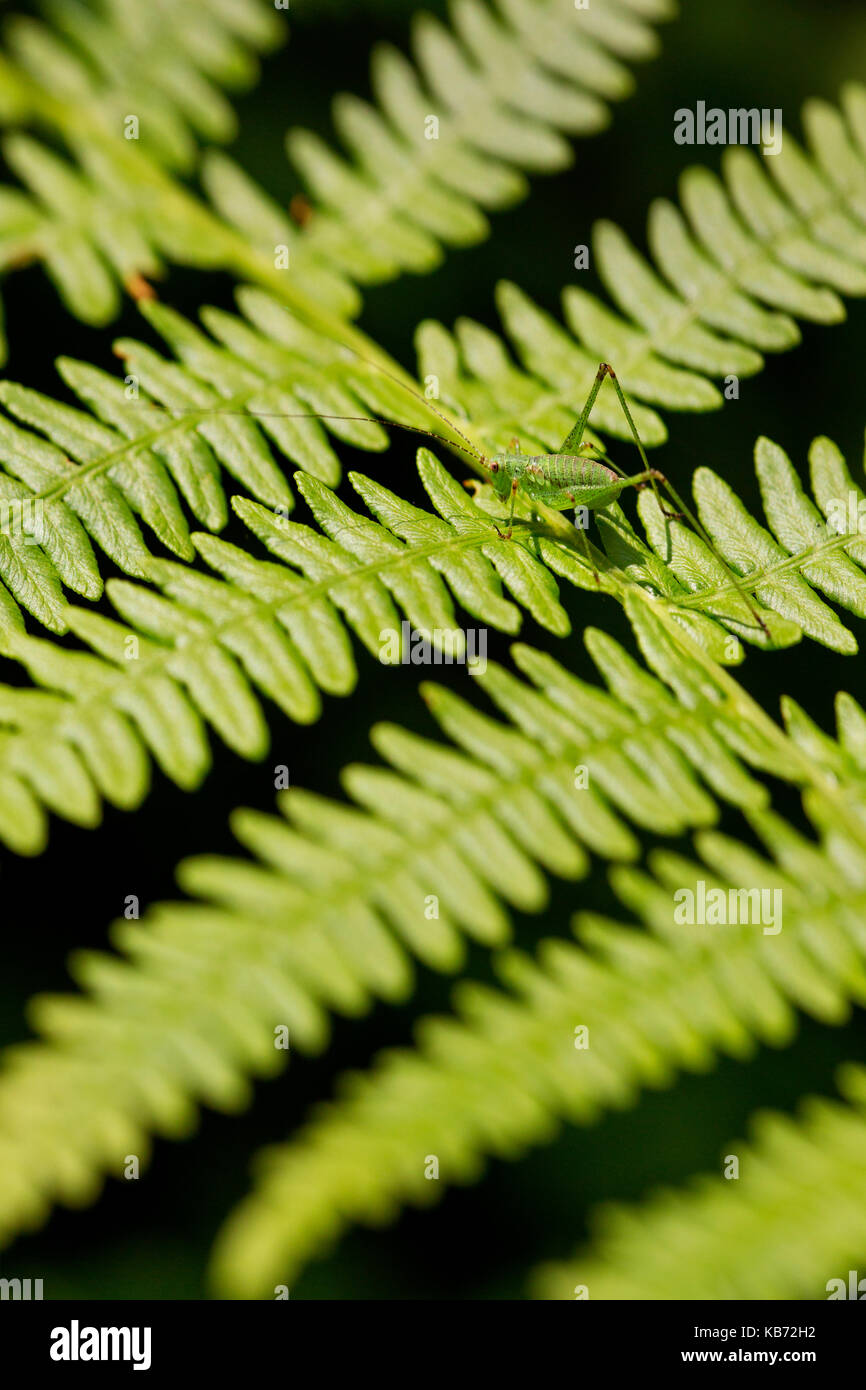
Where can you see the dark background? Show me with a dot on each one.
(151, 1239)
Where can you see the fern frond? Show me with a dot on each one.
(793, 240)
(87, 476)
(111, 213)
(114, 212)
(756, 249)
(165, 433)
(503, 88)
(108, 218)
(328, 916)
(206, 644)
(796, 1211)
(809, 549)
(165, 63)
(747, 254)
(504, 1074)
(324, 921)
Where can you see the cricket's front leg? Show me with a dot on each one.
(475, 486)
(506, 535)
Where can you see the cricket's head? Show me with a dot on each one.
(501, 470)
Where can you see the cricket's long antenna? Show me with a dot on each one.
(377, 366)
(307, 415)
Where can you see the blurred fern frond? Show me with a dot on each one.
(447, 140)
(756, 249)
(730, 271)
(331, 913)
(797, 1208)
(114, 211)
(166, 62)
(84, 73)
(504, 1074)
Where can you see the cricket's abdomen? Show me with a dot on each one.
(568, 470)
(559, 481)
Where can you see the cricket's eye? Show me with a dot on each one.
(494, 468)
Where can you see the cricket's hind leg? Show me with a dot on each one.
(684, 514)
(660, 478)
(653, 477)
(573, 441)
